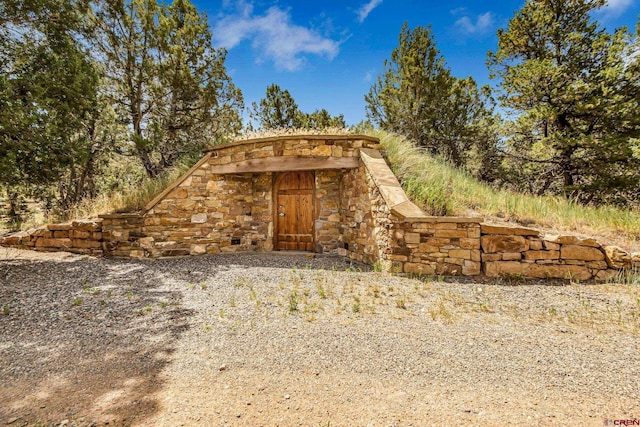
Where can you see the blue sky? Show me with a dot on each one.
(328, 53)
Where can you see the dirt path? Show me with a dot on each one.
(290, 340)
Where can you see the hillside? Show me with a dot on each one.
(440, 189)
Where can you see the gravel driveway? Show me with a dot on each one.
(281, 339)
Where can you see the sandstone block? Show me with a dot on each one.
(200, 218)
(87, 225)
(470, 243)
(77, 234)
(415, 268)
(61, 234)
(535, 244)
(412, 237)
(575, 272)
(494, 243)
(597, 265)
(460, 253)
(617, 257)
(54, 243)
(501, 268)
(86, 244)
(446, 226)
(511, 256)
(65, 226)
(539, 255)
(491, 257)
(579, 252)
(42, 232)
(572, 240)
(471, 268)
(322, 150)
(452, 233)
(198, 249)
(551, 246)
(178, 193)
(146, 242)
(518, 231)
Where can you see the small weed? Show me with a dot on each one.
(221, 313)
(96, 292)
(321, 292)
(6, 310)
(630, 276)
(102, 302)
(232, 303)
(163, 304)
(129, 295)
(356, 305)
(206, 327)
(109, 292)
(377, 267)
(203, 286)
(400, 303)
(293, 302)
(76, 301)
(440, 310)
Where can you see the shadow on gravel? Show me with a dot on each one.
(84, 340)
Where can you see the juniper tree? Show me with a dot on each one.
(574, 89)
(417, 96)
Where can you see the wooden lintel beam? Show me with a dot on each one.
(287, 163)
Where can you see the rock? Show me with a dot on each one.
(501, 268)
(537, 255)
(492, 244)
(550, 271)
(573, 240)
(583, 253)
(200, 218)
(617, 257)
(518, 231)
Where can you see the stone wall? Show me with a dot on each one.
(80, 237)
(328, 225)
(366, 218)
(516, 251)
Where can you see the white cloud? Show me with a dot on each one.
(274, 36)
(366, 9)
(615, 8)
(484, 22)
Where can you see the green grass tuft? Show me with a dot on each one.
(441, 189)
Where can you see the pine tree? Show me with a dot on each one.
(166, 80)
(277, 110)
(574, 89)
(418, 97)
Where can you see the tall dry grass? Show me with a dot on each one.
(443, 190)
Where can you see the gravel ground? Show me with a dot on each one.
(286, 339)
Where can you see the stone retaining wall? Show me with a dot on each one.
(516, 251)
(80, 237)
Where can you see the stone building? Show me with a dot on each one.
(322, 194)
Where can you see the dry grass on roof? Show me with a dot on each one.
(291, 132)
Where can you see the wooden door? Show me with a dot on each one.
(294, 211)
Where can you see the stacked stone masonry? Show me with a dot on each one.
(80, 237)
(225, 203)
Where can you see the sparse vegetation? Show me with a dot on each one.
(440, 188)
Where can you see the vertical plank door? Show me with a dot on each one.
(294, 211)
